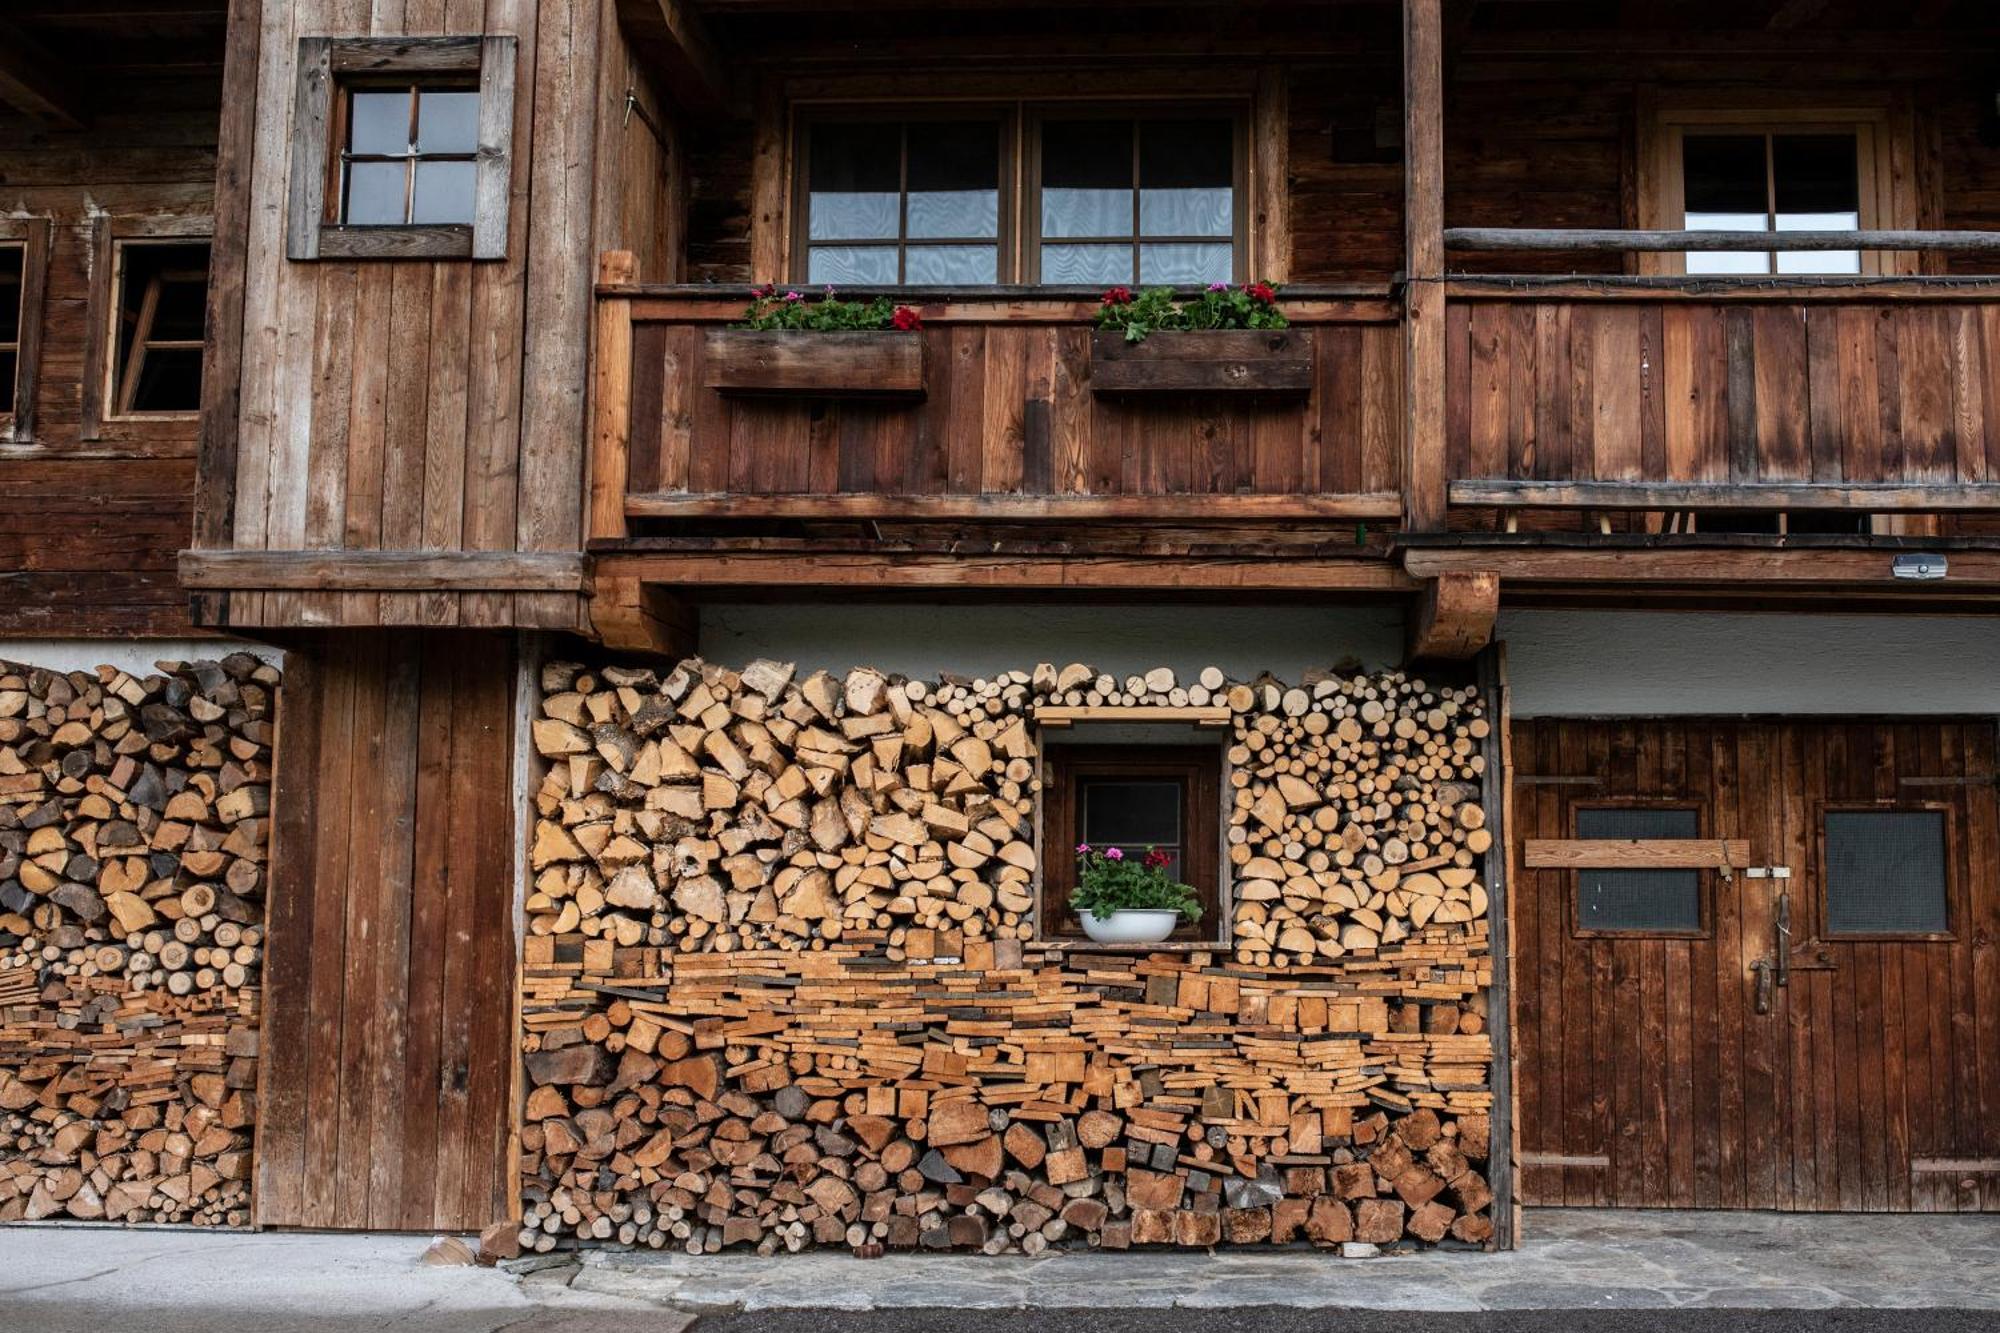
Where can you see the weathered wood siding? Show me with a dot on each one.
(390, 950)
(1646, 1076)
(93, 518)
(433, 405)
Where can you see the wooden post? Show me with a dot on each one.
(1423, 226)
(611, 388)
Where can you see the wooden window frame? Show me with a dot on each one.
(1006, 123)
(1885, 148)
(329, 65)
(1704, 879)
(1020, 122)
(1199, 767)
(119, 378)
(33, 237)
(1954, 910)
(107, 234)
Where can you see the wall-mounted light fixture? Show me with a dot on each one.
(1922, 565)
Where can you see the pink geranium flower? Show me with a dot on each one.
(1115, 855)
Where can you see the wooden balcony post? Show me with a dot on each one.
(611, 394)
(1423, 225)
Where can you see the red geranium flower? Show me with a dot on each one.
(1262, 291)
(765, 292)
(1118, 296)
(907, 319)
(1156, 859)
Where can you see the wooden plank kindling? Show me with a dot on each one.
(1635, 853)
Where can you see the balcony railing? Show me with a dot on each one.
(1873, 394)
(1007, 422)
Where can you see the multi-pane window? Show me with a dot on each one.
(408, 157)
(162, 296)
(1094, 199)
(892, 202)
(12, 264)
(1771, 182)
(1885, 872)
(1148, 200)
(1646, 902)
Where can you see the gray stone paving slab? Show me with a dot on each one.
(1573, 1260)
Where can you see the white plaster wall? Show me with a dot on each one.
(921, 641)
(133, 655)
(1582, 663)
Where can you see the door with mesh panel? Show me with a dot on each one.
(1816, 1029)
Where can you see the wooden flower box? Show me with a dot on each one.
(1248, 361)
(818, 365)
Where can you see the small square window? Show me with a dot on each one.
(409, 155)
(1644, 902)
(162, 300)
(12, 266)
(1886, 873)
(1134, 797)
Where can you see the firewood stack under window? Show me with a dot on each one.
(133, 835)
(783, 985)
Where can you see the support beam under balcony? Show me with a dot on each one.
(1454, 616)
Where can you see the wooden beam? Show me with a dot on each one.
(32, 81)
(385, 571)
(809, 573)
(1856, 496)
(1064, 715)
(1454, 616)
(611, 400)
(1635, 853)
(1796, 13)
(1562, 240)
(1373, 505)
(1658, 289)
(1424, 300)
(1708, 567)
(632, 615)
(677, 42)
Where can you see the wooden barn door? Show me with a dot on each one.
(388, 1038)
(1668, 1059)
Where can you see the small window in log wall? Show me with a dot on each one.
(162, 300)
(1886, 873)
(1638, 902)
(12, 272)
(400, 148)
(1135, 798)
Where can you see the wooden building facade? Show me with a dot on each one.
(403, 341)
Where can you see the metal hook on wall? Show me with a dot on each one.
(632, 107)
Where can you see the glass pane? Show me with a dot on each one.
(379, 122)
(10, 293)
(1186, 171)
(448, 121)
(9, 370)
(1130, 814)
(1724, 173)
(1885, 872)
(1638, 900)
(854, 180)
(1087, 264)
(1816, 173)
(952, 265)
(851, 265)
(1185, 264)
(1087, 178)
(444, 192)
(954, 179)
(374, 194)
(169, 381)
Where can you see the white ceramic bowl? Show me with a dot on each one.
(1129, 926)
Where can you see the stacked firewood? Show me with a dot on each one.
(134, 823)
(815, 1012)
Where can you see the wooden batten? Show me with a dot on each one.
(1635, 854)
(1059, 715)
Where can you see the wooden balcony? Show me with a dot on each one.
(1008, 427)
(1684, 399)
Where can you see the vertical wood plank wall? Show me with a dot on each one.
(387, 1087)
(1646, 1077)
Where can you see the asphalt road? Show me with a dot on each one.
(1286, 1319)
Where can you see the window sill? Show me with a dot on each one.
(447, 241)
(1092, 946)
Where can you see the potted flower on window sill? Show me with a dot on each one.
(1227, 340)
(1126, 900)
(792, 344)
